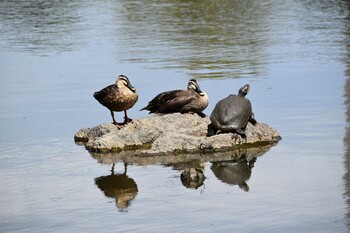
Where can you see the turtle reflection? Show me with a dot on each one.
(234, 172)
(118, 186)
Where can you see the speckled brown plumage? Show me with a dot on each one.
(118, 97)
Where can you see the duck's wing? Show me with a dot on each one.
(179, 103)
(162, 99)
(103, 95)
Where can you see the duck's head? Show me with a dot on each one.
(193, 85)
(243, 91)
(123, 81)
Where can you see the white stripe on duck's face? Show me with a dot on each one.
(123, 81)
(192, 85)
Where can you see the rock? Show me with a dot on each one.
(179, 133)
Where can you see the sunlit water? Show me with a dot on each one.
(55, 54)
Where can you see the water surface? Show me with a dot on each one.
(55, 54)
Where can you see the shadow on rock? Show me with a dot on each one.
(118, 186)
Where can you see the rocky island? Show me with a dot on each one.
(171, 133)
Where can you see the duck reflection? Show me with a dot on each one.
(235, 172)
(118, 186)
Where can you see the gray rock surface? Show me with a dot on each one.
(179, 133)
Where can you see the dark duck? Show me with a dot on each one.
(192, 100)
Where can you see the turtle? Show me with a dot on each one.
(232, 114)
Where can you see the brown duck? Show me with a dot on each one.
(192, 100)
(118, 97)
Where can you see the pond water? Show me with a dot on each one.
(55, 54)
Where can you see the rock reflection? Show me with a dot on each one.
(118, 186)
(178, 161)
(193, 177)
(231, 167)
(234, 172)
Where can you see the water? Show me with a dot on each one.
(55, 54)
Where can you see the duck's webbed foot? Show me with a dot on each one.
(127, 120)
(118, 125)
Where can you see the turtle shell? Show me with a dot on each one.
(231, 113)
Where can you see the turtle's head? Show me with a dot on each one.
(243, 91)
(123, 81)
(193, 85)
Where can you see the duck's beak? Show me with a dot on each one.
(133, 89)
(199, 91)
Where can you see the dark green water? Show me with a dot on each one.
(55, 54)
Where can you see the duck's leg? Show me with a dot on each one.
(112, 114)
(126, 118)
(125, 167)
(114, 121)
(112, 169)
